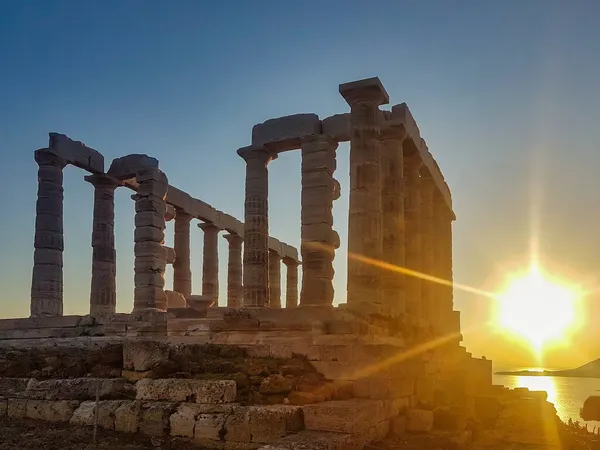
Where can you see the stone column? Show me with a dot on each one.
(47, 275)
(392, 200)
(412, 229)
(182, 275)
(291, 288)
(428, 288)
(235, 290)
(210, 261)
(274, 279)
(150, 256)
(444, 217)
(256, 227)
(318, 239)
(364, 218)
(103, 294)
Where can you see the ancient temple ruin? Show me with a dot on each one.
(381, 362)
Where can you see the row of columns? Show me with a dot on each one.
(47, 274)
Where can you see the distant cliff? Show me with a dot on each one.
(589, 370)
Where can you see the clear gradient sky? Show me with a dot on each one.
(505, 93)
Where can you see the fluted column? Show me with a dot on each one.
(103, 294)
(392, 168)
(150, 255)
(274, 279)
(364, 218)
(182, 275)
(444, 217)
(412, 229)
(318, 239)
(291, 283)
(235, 289)
(47, 275)
(210, 261)
(427, 250)
(256, 227)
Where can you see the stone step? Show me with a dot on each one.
(181, 390)
(346, 416)
(12, 386)
(79, 389)
(315, 440)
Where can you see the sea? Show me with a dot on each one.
(566, 393)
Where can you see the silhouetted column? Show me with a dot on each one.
(274, 279)
(256, 227)
(392, 200)
(364, 218)
(210, 261)
(235, 289)
(412, 236)
(182, 274)
(444, 217)
(47, 275)
(291, 284)
(318, 239)
(103, 294)
(427, 252)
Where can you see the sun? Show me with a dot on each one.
(537, 308)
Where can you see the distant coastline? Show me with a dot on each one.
(589, 370)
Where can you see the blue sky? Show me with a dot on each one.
(505, 94)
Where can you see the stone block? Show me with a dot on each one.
(237, 425)
(184, 419)
(149, 203)
(398, 426)
(315, 440)
(143, 355)
(85, 414)
(148, 249)
(155, 264)
(16, 408)
(3, 407)
(128, 166)
(11, 386)
(152, 234)
(170, 254)
(175, 300)
(51, 411)
(170, 213)
(344, 416)
(285, 132)
(419, 420)
(179, 199)
(127, 417)
(338, 127)
(79, 389)
(209, 427)
(154, 418)
(149, 219)
(48, 256)
(76, 153)
(180, 390)
(149, 279)
(149, 297)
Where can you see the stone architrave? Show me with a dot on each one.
(392, 202)
(256, 227)
(428, 288)
(412, 233)
(235, 290)
(318, 239)
(47, 275)
(210, 261)
(274, 279)
(103, 294)
(150, 256)
(291, 283)
(364, 218)
(182, 274)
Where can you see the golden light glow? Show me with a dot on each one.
(537, 308)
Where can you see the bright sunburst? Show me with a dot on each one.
(537, 308)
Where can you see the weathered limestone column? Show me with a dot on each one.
(412, 232)
(150, 256)
(444, 217)
(256, 227)
(235, 290)
(428, 288)
(274, 279)
(291, 285)
(318, 239)
(103, 294)
(210, 261)
(392, 199)
(364, 219)
(47, 275)
(182, 275)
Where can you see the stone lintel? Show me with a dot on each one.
(103, 180)
(393, 129)
(76, 153)
(127, 167)
(290, 252)
(368, 89)
(338, 127)
(284, 133)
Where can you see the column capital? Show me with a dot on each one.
(393, 130)
(233, 238)
(369, 90)
(102, 181)
(182, 216)
(208, 227)
(274, 253)
(290, 262)
(45, 157)
(257, 154)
